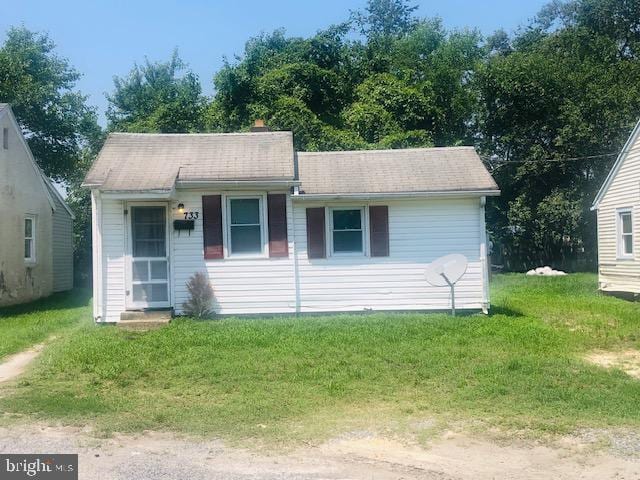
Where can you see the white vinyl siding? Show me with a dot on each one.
(249, 285)
(420, 231)
(616, 272)
(113, 258)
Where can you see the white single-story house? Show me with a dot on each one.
(618, 208)
(280, 231)
(36, 225)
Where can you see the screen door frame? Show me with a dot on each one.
(131, 304)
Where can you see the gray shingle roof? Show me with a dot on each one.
(143, 162)
(446, 169)
(139, 162)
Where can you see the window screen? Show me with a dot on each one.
(148, 231)
(626, 233)
(244, 225)
(347, 231)
(29, 253)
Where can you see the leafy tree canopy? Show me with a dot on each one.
(403, 74)
(40, 86)
(548, 106)
(154, 97)
(566, 87)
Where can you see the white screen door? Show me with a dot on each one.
(148, 272)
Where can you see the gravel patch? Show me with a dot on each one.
(358, 455)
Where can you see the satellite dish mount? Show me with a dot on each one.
(446, 271)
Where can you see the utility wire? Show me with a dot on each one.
(496, 163)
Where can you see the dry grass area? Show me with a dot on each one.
(626, 360)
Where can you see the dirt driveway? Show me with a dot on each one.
(355, 456)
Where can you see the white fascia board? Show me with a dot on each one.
(138, 195)
(186, 184)
(54, 191)
(392, 195)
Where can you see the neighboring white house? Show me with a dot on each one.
(279, 231)
(36, 226)
(618, 208)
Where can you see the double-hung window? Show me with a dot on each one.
(30, 238)
(245, 226)
(347, 233)
(625, 233)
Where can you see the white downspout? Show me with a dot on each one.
(483, 257)
(296, 263)
(96, 236)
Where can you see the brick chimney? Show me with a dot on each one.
(259, 126)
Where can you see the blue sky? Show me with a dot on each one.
(102, 39)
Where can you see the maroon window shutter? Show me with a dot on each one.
(315, 233)
(379, 230)
(277, 212)
(212, 226)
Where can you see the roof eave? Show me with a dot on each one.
(202, 183)
(149, 194)
(385, 195)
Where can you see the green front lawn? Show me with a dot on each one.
(291, 379)
(22, 326)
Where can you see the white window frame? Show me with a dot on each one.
(622, 255)
(364, 225)
(32, 258)
(262, 205)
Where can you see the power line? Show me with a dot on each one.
(547, 160)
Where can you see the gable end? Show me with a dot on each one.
(633, 138)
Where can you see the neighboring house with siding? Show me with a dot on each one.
(36, 237)
(279, 231)
(618, 208)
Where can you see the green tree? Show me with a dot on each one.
(385, 18)
(41, 88)
(60, 127)
(405, 82)
(155, 97)
(567, 87)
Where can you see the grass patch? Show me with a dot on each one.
(289, 379)
(24, 325)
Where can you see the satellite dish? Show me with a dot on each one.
(446, 271)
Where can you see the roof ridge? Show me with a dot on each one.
(147, 134)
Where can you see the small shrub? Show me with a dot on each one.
(200, 296)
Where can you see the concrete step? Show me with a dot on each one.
(144, 320)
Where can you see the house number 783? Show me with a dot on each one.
(191, 215)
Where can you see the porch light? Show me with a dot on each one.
(181, 207)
